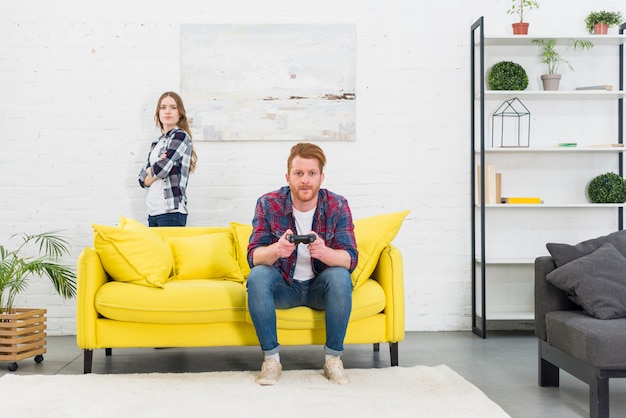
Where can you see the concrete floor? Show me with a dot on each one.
(503, 366)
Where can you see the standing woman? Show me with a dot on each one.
(170, 160)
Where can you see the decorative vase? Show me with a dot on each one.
(551, 81)
(520, 28)
(22, 335)
(600, 28)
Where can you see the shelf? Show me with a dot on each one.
(555, 95)
(582, 148)
(522, 40)
(503, 250)
(506, 261)
(506, 206)
(510, 316)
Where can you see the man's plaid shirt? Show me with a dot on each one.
(332, 221)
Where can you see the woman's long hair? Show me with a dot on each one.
(183, 123)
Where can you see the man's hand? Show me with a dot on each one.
(284, 248)
(317, 248)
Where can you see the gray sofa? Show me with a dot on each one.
(574, 288)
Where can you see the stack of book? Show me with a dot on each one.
(600, 87)
(492, 184)
(521, 200)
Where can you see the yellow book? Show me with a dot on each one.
(521, 200)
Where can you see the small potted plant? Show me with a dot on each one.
(520, 8)
(600, 22)
(16, 267)
(507, 75)
(553, 59)
(607, 188)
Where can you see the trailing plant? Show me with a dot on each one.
(521, 7)
(607, 188)
(507, 75)
(16, 267)
(603, 16)
(553, 58)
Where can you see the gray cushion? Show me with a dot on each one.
(596, 281)
(599, 343)
(564, 253)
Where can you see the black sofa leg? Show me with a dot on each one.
(108, 351)
(376, 347)
(87, 361)
(548, 373)
(599, 398)
(393, 351)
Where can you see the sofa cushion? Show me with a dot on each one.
(596, 281)
(178, 302)
(564, 253)
(133, 255)
(241, 233)
(372, 235)
(131, 224)
(209, 256)
(599, 343)
(368, 300)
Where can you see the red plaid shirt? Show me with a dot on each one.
(332, 221)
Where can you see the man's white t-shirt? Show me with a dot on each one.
(304, 224)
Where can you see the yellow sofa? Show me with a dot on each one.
(185, 287)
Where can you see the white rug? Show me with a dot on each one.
(418, 391)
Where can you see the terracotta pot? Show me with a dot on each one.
(551, 81)
(520, 28)
(600, 28)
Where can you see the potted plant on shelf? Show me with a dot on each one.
(520, 8)
(607, 188)
(553, 58)
(600, 22)
(22, 331)
(507, 75)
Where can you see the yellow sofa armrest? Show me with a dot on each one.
(389, 273)
(90, 276)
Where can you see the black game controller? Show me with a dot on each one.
(301, 239)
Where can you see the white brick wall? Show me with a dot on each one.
(78, 85)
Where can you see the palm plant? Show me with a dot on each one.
(16, 268)
(553, 58)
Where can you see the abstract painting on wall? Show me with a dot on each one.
(270, 82)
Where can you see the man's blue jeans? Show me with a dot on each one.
(330, 290)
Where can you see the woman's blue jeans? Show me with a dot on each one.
(168, 219)
(330, 290)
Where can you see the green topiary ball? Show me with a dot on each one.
(607, 188)
(507, 75)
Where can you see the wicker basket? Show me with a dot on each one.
(22, 335)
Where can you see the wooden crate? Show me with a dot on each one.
(22, 334)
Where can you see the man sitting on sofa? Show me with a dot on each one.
(312, 271)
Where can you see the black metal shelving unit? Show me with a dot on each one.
(477, 146)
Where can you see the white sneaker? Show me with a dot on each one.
(270, 372)
(333, 370)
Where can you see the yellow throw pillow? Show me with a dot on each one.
(136, 256)
(372, 235)
(132, 225)
(209, 256)
(242, 237)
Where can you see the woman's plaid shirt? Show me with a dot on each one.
(173, 169)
